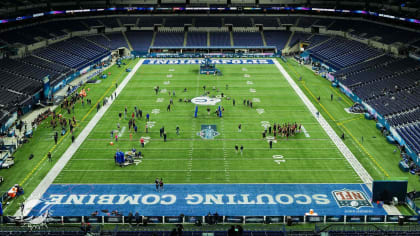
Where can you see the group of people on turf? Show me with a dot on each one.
(285, 130)
(159, 184)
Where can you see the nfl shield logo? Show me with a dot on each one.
(208, 132)
(351, 198)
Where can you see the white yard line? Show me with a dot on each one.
(222, 170)
(61, 163)
(206, 159)
(355, 164)
(160, 149)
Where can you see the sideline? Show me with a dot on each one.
(343, 126)
(360, 170)
(34, 198)
(52, 149)
(31, 115)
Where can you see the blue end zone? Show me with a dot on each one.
(200, 199)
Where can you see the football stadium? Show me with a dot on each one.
(213, 117)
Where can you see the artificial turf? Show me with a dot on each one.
(188, 158)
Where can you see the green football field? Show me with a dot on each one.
(188, 158)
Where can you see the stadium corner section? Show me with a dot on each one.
(36, 195)
(199, 199)
(30, 174)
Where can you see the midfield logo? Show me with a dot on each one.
(351, 198)
(208, 132)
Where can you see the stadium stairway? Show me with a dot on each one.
(99, 45)
(185, 38)
(297, 21)
(290, 39)
(106, 37)
(153, 39)
(310, 37)
(126, 39)
(52, 62)
(413, 41)
(320, 43)
(84, 24)
(263, 38)
(332, 23)
(231, 39)
(119, 22)
(101, 22)
(370, 59)
(208, 39)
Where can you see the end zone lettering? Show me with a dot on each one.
(199, 199)
(109, 199)
(190, 199)
(216, 61)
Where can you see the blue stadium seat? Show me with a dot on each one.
(247, 39)
(197, 39)
(140, 40)
(219, 39)
(173, 39)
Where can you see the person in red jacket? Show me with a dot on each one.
(142, 142)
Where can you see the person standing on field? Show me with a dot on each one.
(142, 142)
(157, 184)
(161, 184)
